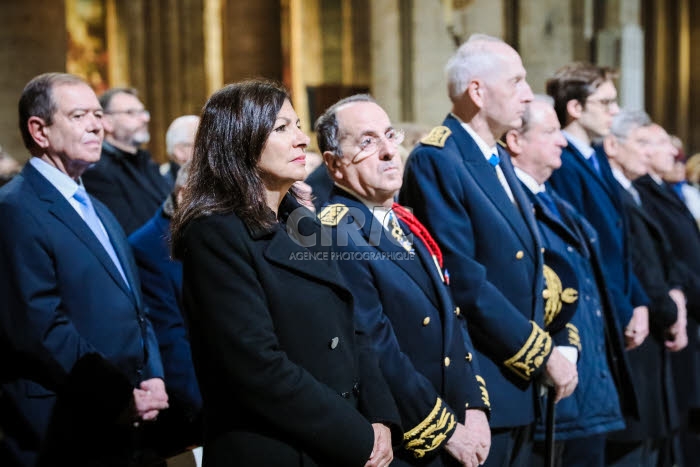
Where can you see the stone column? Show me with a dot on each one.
(33, 38)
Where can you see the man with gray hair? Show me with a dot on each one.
(461, 185)
(179, 144)
(593, 410)
(125, 178)
(647, 440)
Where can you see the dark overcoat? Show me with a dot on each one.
(285, 379)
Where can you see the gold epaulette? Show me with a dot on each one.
(484, 391)
(574, 336)
(437, 136)
(531, 355)
(332, 214)
(555, 295)
(429, 434)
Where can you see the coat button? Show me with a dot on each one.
(466, 406)
(426, 321)
(333, 343)
(519, 254)
(457, 311)
(468, 357)
(546, 294)
(542, 250)
(447, 361)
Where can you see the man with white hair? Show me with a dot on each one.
(461, 185)
(179, 144)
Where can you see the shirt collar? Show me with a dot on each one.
(585, 149)
(620, 177)
(377, 210)
(485, 149)
(528, 181)
(62, 182)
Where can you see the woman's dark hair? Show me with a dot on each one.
(235, 124)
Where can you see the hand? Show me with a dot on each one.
(382, 454)
(677, 334)
(562, 373)
(638, 328)
(150, 398)
(470, 443)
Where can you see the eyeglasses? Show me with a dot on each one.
(607, 104)
(370, 144)
(131, 112)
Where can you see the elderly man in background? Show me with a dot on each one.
(125, 179)
(179, 144)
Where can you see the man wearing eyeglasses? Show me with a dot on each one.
(126, 179)
(585, 100)
(394, 270)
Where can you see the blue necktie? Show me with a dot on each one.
(678, 190)
(494, 160)
(593, 160)
(548, 201)
(91, 219)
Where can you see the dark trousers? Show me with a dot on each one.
(511, 447)
(635, 454)
(581, 452)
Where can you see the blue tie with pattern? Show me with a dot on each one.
(548, 201)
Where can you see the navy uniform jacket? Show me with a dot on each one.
(424, 350)
(492, 252)
(651, 367)
(681, 230)
(596, 198)
(63, 298)
(286, 380)
(603, 369)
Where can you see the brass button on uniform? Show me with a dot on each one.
(466, 406)
(542, 250)
(457, 311)
(447, 361)
(333, 343)
(426, 321)
(519, 254)
(468, 357)
(546, 294)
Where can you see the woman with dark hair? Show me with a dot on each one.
(284, 378)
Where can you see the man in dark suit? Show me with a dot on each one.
(125, 178)
(662, 203)
(70, 286)
(585, 100)
(594, 409)
(402, 302)
(465, 192)
(648, 440)
(161, 283)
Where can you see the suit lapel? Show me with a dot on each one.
(61, 209)
(607, 182)
(486, 178)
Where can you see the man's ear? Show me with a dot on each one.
(611, 146)
(475, 90)
(574, 108)
(513, 140)
(333, 164)
(39, 131)
(107, 123)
